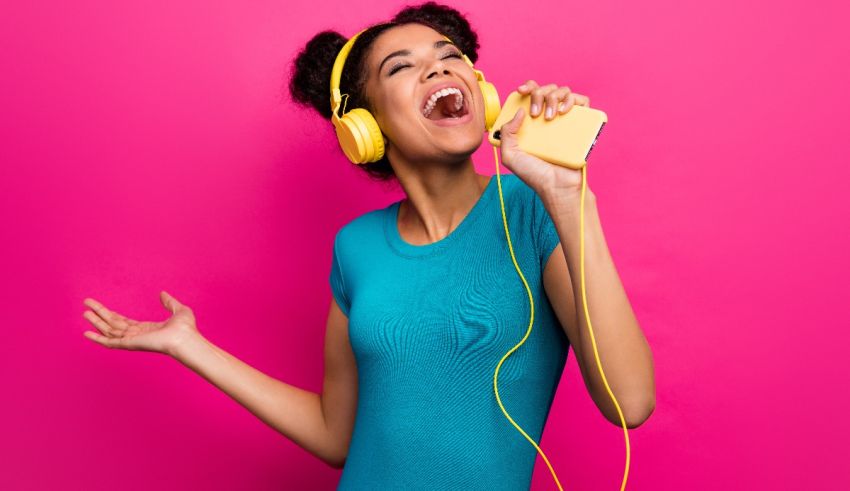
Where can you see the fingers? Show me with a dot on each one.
(114, 336)
(102, 325)
(567, 104)
(114, 323)
(511, 127)
(106, 341)
(168, 301)
(582, 100)
(573, 99)
(538, 96)
(172, 303)
(558, 100)
(527, 87)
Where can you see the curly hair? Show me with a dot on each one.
(310, 72)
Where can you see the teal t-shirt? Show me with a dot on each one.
(428, 324)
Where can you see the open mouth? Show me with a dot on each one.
(446, 105)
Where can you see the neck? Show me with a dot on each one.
(438, 199)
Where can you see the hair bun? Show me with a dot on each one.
(310, 82)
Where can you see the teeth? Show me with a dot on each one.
(432, 101)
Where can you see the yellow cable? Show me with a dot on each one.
(531, 323)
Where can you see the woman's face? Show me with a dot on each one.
(399, 85)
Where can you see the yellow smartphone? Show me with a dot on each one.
(565, 140)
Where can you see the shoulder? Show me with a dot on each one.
(361, 229)
(519, 193)
(512, 184)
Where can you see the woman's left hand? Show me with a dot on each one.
(548, 180)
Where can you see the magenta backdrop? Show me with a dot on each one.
(149, 146)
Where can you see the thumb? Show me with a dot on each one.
(511, 128)
(169, 302)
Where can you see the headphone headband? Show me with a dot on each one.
(336, 73)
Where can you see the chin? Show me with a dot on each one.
(466, 146)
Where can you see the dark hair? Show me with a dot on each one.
(310, 72)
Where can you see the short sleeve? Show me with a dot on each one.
(546, 233)
(338, 283)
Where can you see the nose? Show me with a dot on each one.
(432, 74)
(438, 67)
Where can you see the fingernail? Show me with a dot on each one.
(523, 87)
(562, 106)
(549, 112)
(534, 109)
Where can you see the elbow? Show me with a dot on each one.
(640, 414)
(634, 414)
(334, 452)
(335, 462)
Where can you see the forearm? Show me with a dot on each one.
(296, 413)
(623, 350)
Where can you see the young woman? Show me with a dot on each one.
(426, 299)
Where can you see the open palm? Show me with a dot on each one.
(118, 331)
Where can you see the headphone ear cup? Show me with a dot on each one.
(492, 105)
(360, 136)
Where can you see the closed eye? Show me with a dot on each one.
(402, 65)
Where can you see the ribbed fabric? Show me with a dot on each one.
(428, 325)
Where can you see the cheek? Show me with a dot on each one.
(401, 117)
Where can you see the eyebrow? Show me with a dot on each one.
(407, 52)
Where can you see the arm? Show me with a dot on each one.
(321, 424)
(623, 349)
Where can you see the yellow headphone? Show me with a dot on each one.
(358, 132)
(360, 137)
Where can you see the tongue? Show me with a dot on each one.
(445, 108)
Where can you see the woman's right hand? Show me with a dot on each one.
(118, 331)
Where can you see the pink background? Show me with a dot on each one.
(150, 145)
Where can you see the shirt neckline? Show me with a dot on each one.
(406, 249)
